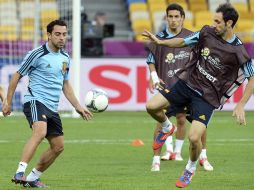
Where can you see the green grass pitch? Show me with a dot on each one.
(98, 155)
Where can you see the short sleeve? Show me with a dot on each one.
(248, 68)
(150, 59)
(192, 39)
(29, 61)
(66, 74)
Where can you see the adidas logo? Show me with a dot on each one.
(48, 66)
(202, 117)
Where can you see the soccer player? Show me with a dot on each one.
(163, 63)
(48, 70)
(218, 65)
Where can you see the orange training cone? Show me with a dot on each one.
(137, 142)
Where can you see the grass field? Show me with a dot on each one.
(98, 155)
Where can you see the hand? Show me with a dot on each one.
(151, 86)
(161, 85)
(6, 108)
(84, 113)
(239, 114)
(151, 37)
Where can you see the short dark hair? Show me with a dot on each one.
(175, 6)
(228, 12)
(51, 25)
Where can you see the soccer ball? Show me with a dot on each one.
(96, 100)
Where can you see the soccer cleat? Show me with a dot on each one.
(204, 163)
(185, 179)
(178, 156)
(19, 178)
(168, 156)
(155, 167)
(161, 138)
(35, 184)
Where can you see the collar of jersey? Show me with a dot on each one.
(50, 50)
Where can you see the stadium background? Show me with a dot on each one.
(122, 70)
(98, 154)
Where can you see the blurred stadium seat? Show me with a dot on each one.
(203, 18)
(198, 5)
(137, 7)
(213, 4)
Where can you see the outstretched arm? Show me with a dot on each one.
(69, 94)
(238, 111)
(174, 42)
(6, 109)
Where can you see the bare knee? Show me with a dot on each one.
(180, 119)
(58, 149)
(151, 107)
(194, 138)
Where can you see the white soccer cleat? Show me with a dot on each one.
(155, 167)
(178, 157)
(204, 163)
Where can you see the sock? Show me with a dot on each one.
(156, 159)
(203, 154)
(178, 145)
(21, 167)
(191, 166)
(34, 174)
(169, 144)
(166, 126)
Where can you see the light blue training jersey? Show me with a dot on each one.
(248, 67)
(47, 71)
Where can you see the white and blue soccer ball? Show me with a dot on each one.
(96, 100)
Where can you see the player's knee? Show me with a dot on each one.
(180, 119)
(193, 138)
(58, 149)
(39, 135)
(150, 107)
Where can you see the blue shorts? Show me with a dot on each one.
(36, 111)
(173, 110)
(180, 96)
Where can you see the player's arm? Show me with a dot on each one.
(69, 94)
(154, 79)
(238, 111)
(2, 93)
(174, 42)
(11, 89)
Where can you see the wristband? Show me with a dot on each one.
(155, 77)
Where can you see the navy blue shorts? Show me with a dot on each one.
(173, 110)
(180, 95)
(36, 111)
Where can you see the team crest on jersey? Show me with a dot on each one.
(215, 61)
(170, 58)
(64, 67)
(205, 52)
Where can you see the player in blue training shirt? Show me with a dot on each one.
(48, 70)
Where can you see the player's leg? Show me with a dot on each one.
(33, 111)
(56, 142)
(180, 135)
(156, 152)
(179, 113)
(200, 114)
(46, 159)
(203, 160)
(196, 130)
(155, 108)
